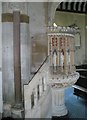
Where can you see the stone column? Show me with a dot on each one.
(72, 55)
(13, 93)
(1, 101)
(7, 49)
(58, 50)
(17, 57)
(65, 58)
(58, 105)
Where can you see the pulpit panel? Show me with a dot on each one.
(61, 51)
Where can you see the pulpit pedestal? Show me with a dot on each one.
(58, 85)
(58, 105)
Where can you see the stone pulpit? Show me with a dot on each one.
(62, 71)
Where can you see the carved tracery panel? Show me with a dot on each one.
(61, 51)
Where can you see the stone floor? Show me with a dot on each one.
(76, 106)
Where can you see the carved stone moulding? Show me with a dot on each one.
(64, 82)
(62, 29)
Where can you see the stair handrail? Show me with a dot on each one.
(38, 70)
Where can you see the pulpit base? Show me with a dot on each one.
(65, 117)
(60, 111)
(58, 106)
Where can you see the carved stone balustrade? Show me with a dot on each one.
(37, 95)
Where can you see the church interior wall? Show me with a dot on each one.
(67, 19)
(35, 31)
(1, 101)
(7, 50)
(38, 33)
(34, 43)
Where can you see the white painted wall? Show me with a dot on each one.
(66, 19)
(36, 13)
(38, 28)
(42, 107)
(1, 101)
(7, 63)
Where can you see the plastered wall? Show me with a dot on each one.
(1, 102)
(38, 36)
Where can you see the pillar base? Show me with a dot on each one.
(6, 110)
(17, 111)
(0, 116)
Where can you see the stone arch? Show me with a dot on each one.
(51, 11)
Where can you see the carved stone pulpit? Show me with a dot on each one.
(62, 71)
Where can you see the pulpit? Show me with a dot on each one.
(62, 71)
